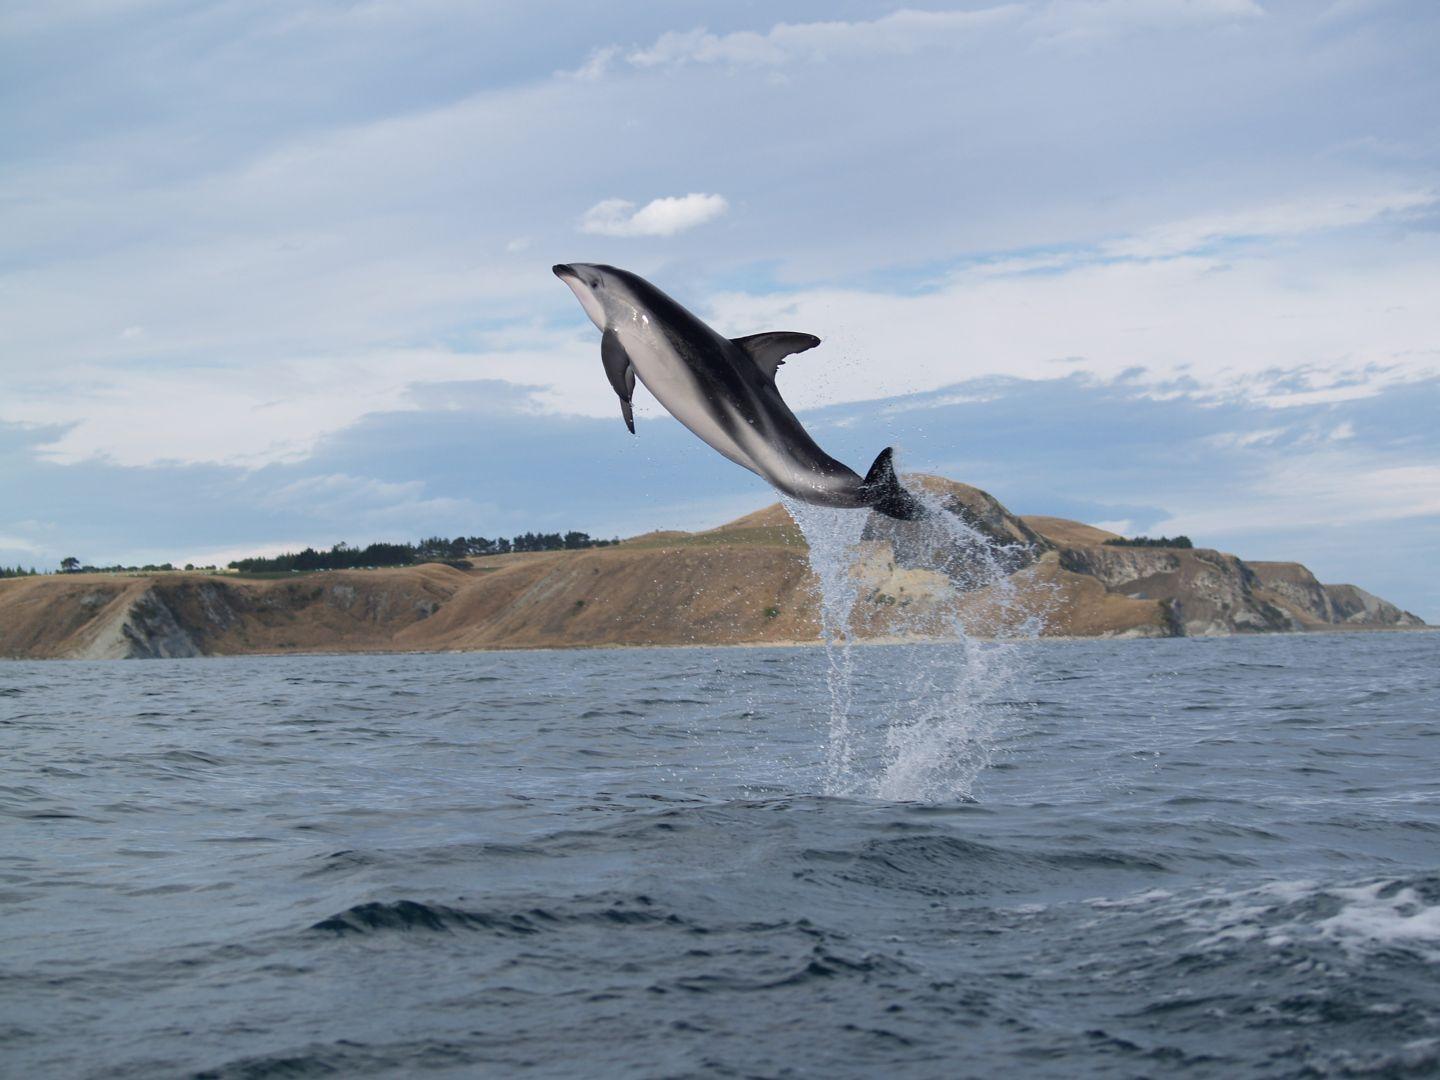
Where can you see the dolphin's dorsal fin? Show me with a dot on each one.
(769, 349)
(620, 372)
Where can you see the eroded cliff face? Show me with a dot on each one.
(1203, 592)
(1353, 606)
(745, 582)
(1313, 606)
(1207, 592)
(143, 628)
(1296, 588)
(99, 617)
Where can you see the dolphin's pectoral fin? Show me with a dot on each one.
(620, 372)
(769, 350)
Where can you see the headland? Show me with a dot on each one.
(747, 582)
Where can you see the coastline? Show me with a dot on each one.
(749, 583)
(862, 642)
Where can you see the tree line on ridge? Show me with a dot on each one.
(432, 549)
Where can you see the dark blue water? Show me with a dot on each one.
(1196, 858)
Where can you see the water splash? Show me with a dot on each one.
(945, 590)
(834, 537)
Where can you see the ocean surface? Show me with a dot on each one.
(1210, 858)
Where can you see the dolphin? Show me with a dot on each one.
(723, 390)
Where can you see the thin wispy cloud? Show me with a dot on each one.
(368, 502)
(1315, 490)
(899, 33)
(1298, 216)
(907, 31)
(23, 544)
(1080, 19)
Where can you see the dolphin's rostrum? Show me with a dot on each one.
(723, 390)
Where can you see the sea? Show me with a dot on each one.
(1181, 857)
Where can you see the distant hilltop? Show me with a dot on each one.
(747, 582)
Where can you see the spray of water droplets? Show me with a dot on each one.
(955, 648)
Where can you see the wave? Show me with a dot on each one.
(407, 915)
(346, 1057)
(1397, 917)
(944, 865)
(379, 916)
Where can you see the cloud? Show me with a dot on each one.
(226, 554)
(1294, 216)
(369, 503)
(1233, 440)
(908, 31)
(1123, 526)
(1281, 325)
(21, 543)
(1094, 18)
(138, 415)
(659, 217)
(935, 401)
(319, 494)
(1317, 489)
(142, 415)
(1281, 321)
(596, 66)
(63, 13)
(365, 245)
(901, 32)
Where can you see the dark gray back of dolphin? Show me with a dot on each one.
(723, 390)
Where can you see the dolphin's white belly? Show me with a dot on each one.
(675, 386)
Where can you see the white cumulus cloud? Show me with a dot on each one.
(659, 217)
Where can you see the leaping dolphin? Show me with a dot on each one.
(723, 390)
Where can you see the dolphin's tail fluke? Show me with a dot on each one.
(883, 491)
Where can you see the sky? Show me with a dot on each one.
(278, 273)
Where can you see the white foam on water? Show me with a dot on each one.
(1142, 899)
(1362, 918)
(1384, 913)
(935, 734)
